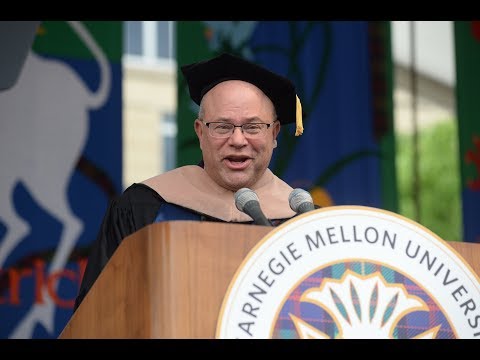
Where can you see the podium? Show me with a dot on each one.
(169, 279)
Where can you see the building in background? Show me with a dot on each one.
(149, 102)
(434, 63)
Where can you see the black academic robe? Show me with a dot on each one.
(136, 208)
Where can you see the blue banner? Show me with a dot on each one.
(340, 70)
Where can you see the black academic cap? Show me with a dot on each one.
(204, 75)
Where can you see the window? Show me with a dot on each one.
(133, 37)
(150, 41)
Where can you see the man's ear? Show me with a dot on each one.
(276, 129)
(197, 125)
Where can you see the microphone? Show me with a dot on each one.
(300, 201)
(246, 201)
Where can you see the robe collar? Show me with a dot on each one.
(191, 187)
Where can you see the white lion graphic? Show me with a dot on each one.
(45, 124)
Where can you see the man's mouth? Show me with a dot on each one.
(237, 162)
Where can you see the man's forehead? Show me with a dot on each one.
(234, 94)
(231, 88)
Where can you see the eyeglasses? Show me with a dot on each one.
(249, 130)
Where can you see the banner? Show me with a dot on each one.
(467, 59)
(61, 162)
(342, 73)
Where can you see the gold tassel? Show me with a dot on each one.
(299, 121)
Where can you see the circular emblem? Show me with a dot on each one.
(351, 272)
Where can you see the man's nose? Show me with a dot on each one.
(238, 138)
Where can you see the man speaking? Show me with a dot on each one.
(241, 109)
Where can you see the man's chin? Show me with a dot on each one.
(237, 183)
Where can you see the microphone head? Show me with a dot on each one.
(298, 197)
(243, 196)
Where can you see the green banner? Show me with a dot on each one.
(467, 56)
(192, 45)
(52, 33)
